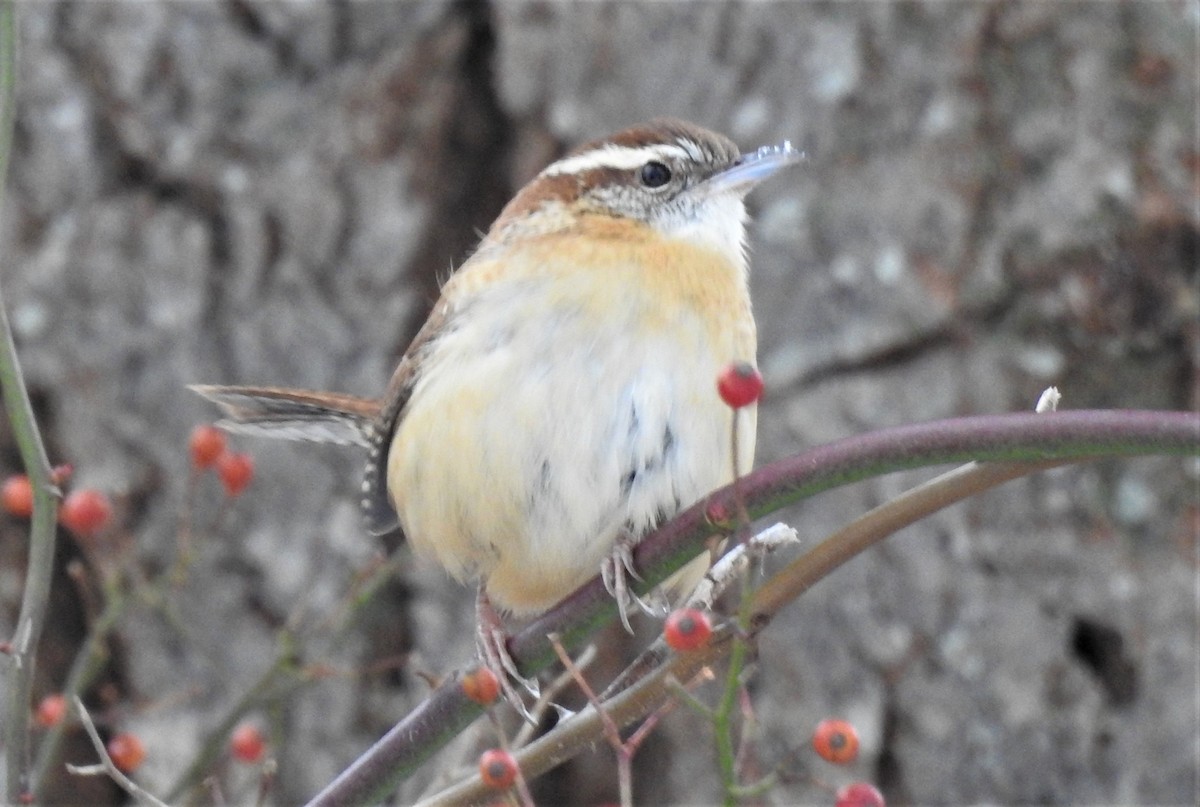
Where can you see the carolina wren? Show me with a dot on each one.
(560, 401)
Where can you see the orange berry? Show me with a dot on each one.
(498, 768)
(126, 751)
(235, 472)
(687, 629)
(206, 444)
(85, 512)
(16, 496)
(481, 686)
(836, 741)
(50, 711)
(740, 384)
(859, 794)
(247, 743)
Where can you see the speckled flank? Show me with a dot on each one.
(581, 369)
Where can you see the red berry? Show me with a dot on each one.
(17, 496)
(247, 743)
(59, 474)
(85, 512)
(740, 384)
(687, 629)
(498, 768)
(859, 794)
(235, 472)
(207, 444)
(836, 741)
(481, 686)
(50, 711)
(126, 751)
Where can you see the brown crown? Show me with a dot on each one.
(566, 189)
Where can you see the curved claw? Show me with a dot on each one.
(492, 643)
(613, 572)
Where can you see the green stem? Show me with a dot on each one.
(723, 722)
(33, 454)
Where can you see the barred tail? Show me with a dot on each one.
(290, 414)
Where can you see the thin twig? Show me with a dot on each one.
(107, 767)
(549, 692)
(88, 664)
(739, 500)
(611, 732)
(683, 693)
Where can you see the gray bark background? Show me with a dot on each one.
(999, 197)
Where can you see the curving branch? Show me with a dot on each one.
(1015, 444)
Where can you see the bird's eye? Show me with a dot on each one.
(655, 175)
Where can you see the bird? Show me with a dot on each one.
(560, 401)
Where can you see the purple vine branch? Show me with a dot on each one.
(1015, 438)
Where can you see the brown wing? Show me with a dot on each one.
(378, 512)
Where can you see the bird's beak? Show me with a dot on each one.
(752, 168)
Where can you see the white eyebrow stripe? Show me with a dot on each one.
(691, 149)
(618, 157)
